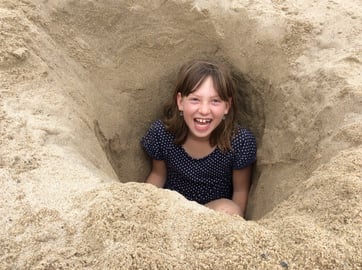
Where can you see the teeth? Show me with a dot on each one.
(203, 121)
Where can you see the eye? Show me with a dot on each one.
(216, 101)
(193, 99)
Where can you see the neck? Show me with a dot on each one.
(193, 139)
(197, 147)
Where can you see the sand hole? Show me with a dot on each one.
(129, 56)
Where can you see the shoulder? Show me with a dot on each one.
(243, 148)
(157, 124)
(156, 140)
(158, 128)
(243, 133)
(243, 136)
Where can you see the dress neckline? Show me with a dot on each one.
(183, 150)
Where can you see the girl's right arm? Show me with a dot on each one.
(158, 173)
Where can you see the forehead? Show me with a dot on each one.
(206, 88)
(208, 84)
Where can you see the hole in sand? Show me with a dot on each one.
(130, 58)
(127, 57)
(120, 149)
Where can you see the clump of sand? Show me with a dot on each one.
(80, 82)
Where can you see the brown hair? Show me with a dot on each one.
(190, 77)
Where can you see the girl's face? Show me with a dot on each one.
(203, 109)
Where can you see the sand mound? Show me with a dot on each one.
(82, 80)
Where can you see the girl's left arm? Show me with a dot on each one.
(241, 184)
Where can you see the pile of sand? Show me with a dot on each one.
(81, 81)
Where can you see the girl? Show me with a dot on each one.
(197, 149)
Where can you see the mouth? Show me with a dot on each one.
(202, 121)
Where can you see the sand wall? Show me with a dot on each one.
(81, 81)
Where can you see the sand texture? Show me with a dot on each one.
(80, 83)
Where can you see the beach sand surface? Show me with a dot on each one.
(81, 82)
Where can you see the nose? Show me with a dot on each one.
(204, 108)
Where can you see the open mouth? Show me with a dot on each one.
(201, 121)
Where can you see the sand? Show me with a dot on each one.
(80, 83)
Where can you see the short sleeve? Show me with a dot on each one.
(151, 142)
(244, 147)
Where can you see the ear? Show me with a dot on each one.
(228, 105)
(179, 100)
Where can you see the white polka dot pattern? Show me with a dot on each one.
(201, 180)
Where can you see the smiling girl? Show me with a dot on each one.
(197, 149)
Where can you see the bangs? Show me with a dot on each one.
(196, 85)
(193, 82)
(221, 87)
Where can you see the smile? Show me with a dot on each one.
(202, 121)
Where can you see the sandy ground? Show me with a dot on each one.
(81, 81)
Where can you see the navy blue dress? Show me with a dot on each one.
(201, 180)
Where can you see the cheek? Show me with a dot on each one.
(221, 110)
(190, 107)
